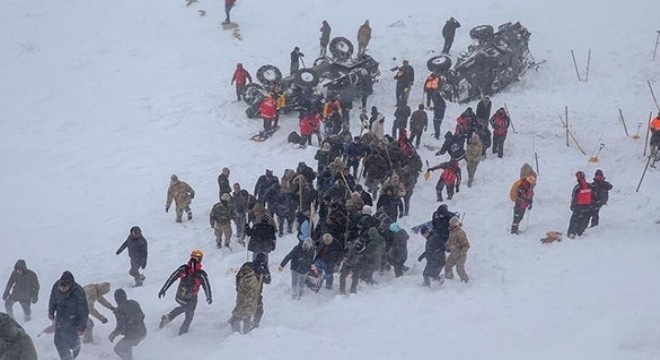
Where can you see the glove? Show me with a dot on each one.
(117, 252)
(112, 337)
(104, 320)
(161, 294)
(420, 258)
(280, 269)
(167, 208)
(209, 301)
(5, 296)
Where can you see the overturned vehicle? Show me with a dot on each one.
(491, 63)
(339, 75)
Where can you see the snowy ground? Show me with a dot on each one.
(101, 101)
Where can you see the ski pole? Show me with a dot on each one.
(575, 64)
(648, 130)
(643, 173)
(586, 79)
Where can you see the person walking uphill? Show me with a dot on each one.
(473, 156)
(182, 194)
(364, 37)
(458, 246)
(241, 78)
(325, 38)
(130, 324)
(220, 219)
(137, 252)
(500, 123)
(301, 257)
(68, 308)
(94, 293)
(448, 33)
(581, 205)
(23, 288)
(191, 277)
(229, 4)
(419, 123)
(434, 253)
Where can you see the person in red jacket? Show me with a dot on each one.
(581, 205)
(228, 5)
(500, 123)
(268, 111)
(305, 129)
(524, 200)
(450, 177)
(241, 78)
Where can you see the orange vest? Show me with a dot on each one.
(432, 83)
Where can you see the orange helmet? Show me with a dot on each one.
(197, 255)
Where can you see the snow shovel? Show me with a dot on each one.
(594, 159)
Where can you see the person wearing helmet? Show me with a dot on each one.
(182, 194)
(137, 252)
(241, 78)
(601, 189)
(524, 200)
(581, 205)
(191, 277)
(220, 219)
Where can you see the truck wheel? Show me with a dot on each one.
(341, 48)
(482, 32)
(252, 93)
(306, 78)
(439, 64)
(269, 75)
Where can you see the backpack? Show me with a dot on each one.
(294, 138)
(448, 176)
(185, 292)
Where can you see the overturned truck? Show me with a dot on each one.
(490, 64)
(339, 75)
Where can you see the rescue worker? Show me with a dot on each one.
(581, 206)
(220, 219)
(241, 78)
(94, 293)
(500, 123)
(268, 112)
(524, 200)
(431, 85)
(130, 324)
(137, 252)
(457, 246)
(364, 37)
(23, 288)
(68, 309)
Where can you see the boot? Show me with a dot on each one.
(164, 320)
(189, 215)
(183, 330)
(178, 219)
(469, 183)
(427, 281)
(514, 229)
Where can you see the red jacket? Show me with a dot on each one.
(305, 127)
(315, 122)
(241, 77)
(582, 194)
(230, 2)
(268, 108)
(525, 195)
(500, 122)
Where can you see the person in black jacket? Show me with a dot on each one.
(328, 256)
(439, 107)
(401, 115)
(301, 257)
(130, 324)
(137, 252)
(440, 221)
(364, 195)
(397, 253)
(434, 253)
(601, 189)
(325, 38)
(405, 77)
(22, 287)
(15, 343)
(223, 182)
(285, 208)
(295, 59)
(365, 87)
(454, 146)
(191, 277)
(391, 203)
(68, 308)
(262, 234)
(483, 108)
(448, 33)
(264, 182)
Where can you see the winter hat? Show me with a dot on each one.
(174, 178)
(225, 197)
(120, 296)
(454, 221)
(357, 188)
(269, 172)
(104, 288)
(425, 230)
(421, 106)
(579, 175)
(366, 210)
(442, 209)
(20, 265)
(599, 175)
(136, 230)
(225, 171)
(67, 278)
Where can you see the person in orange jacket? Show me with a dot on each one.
(268, 111)
(241, 78)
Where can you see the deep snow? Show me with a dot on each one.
(101, 101)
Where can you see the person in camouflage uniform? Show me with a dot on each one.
(458, 246)
(248, 289)
(182, 194)
(220, 219)
(473, 156)
(94, 293)
(22, 287)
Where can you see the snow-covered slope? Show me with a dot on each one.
(101, 101)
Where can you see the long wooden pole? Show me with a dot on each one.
(575, 64)
(623, 121)
(643, 173)
(588, 63)
(510, 120)
(648, 130)
(655, 50)
(572, 136)
(653, 95)
(566, 124)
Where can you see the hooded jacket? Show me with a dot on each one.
(23, 287)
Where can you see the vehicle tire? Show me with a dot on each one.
(439, 64)
(306, 78)
(341, 48)
(269, 75)
(252, 93)
(322, 60)
(482, 32)
(252, 111)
